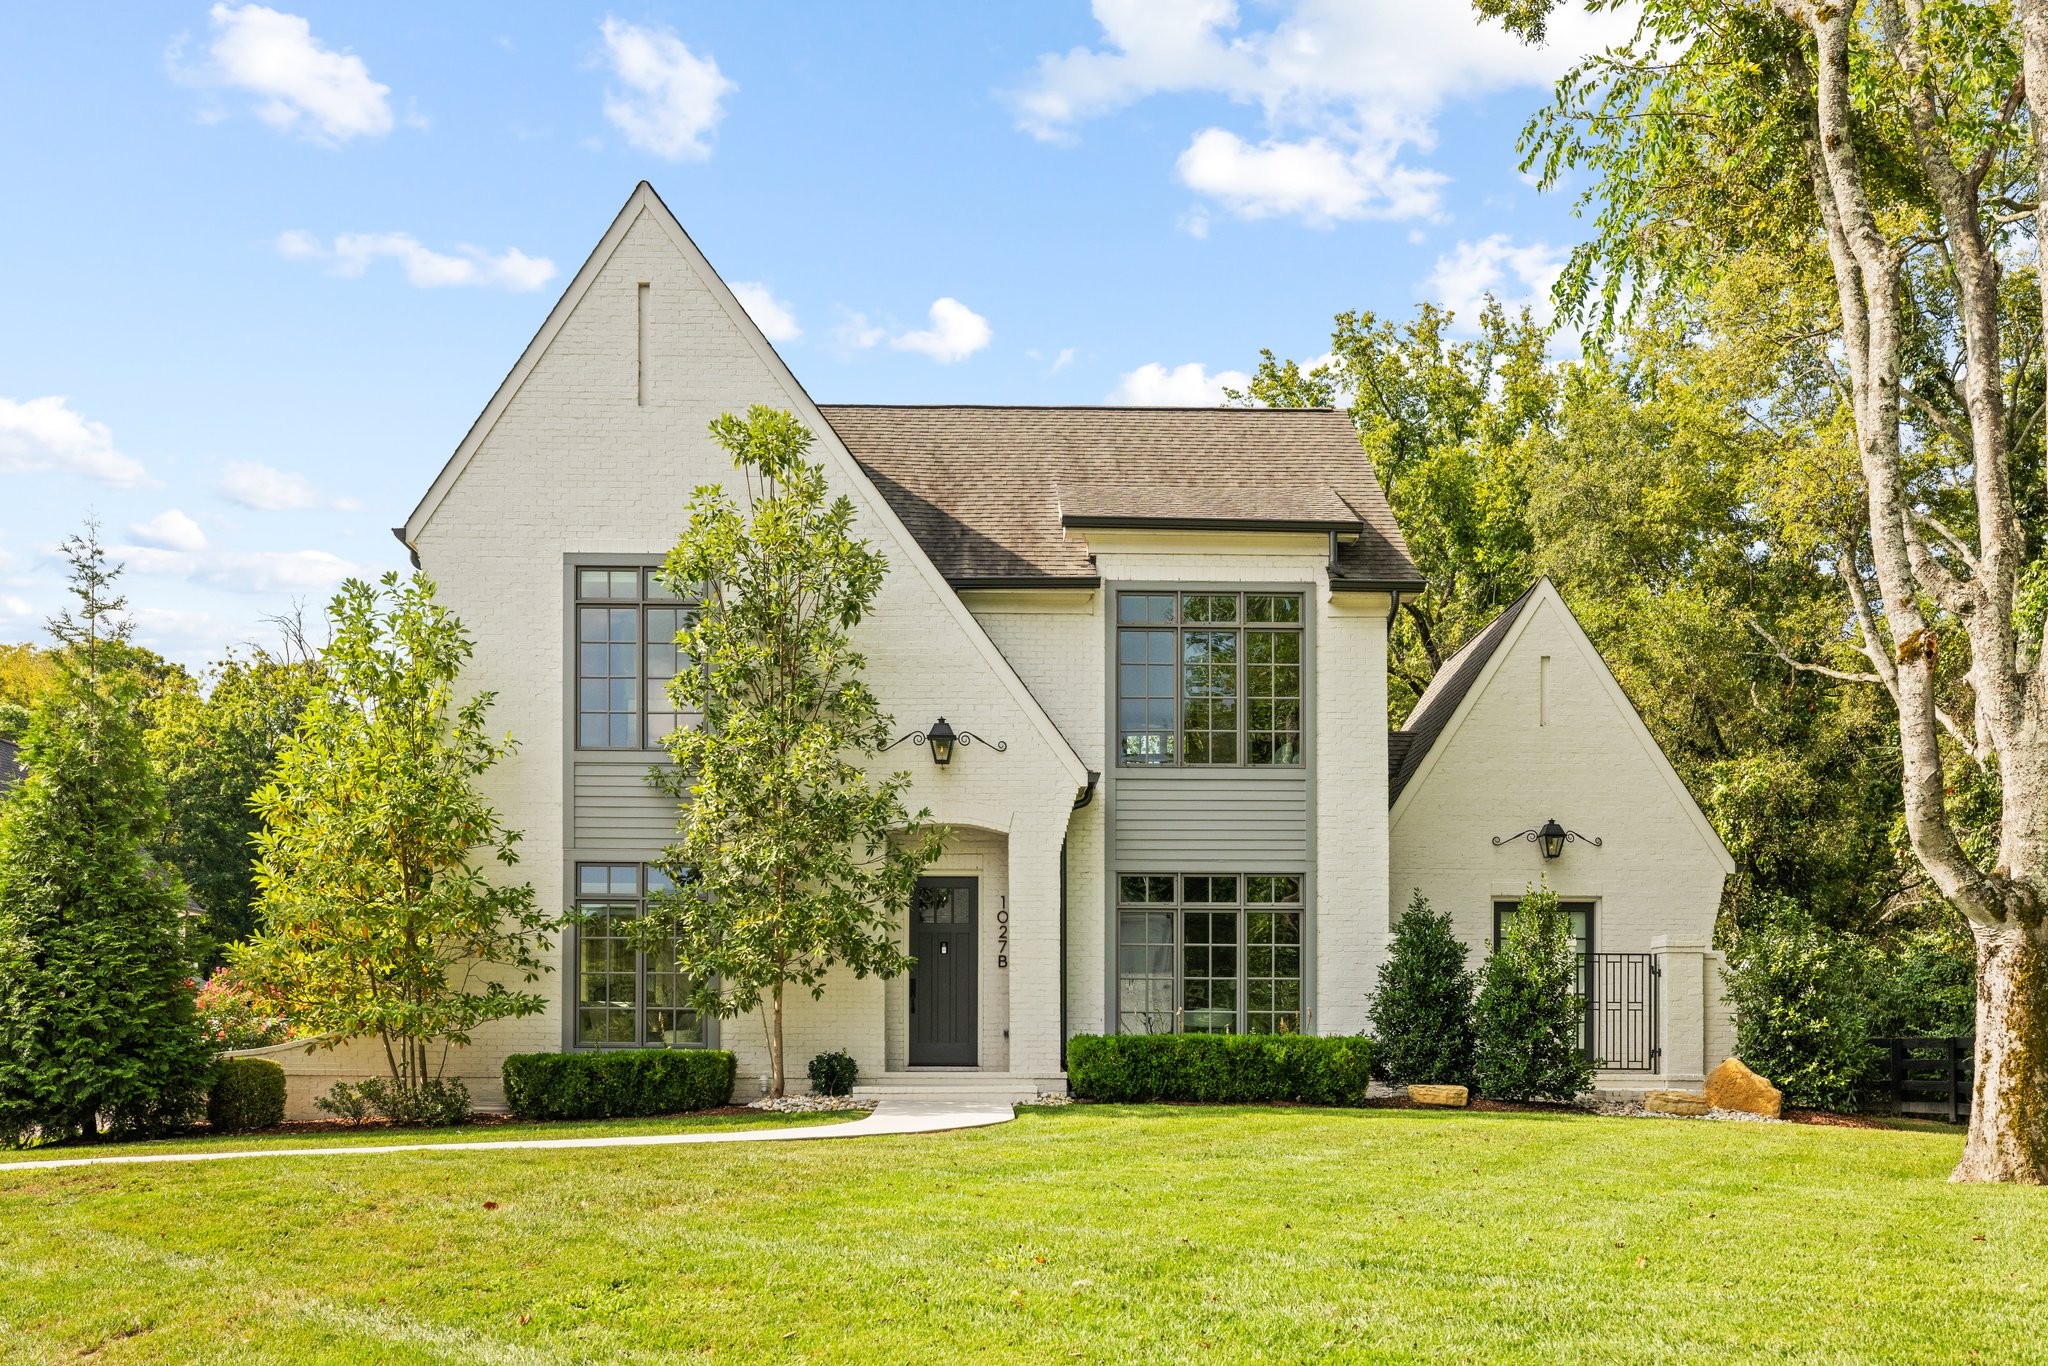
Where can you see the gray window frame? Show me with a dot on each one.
(645, 601)
(1242, 909)
(1179, 629)
(572, 955)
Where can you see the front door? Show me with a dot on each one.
(944, 979)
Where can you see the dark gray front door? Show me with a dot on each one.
(943, 983)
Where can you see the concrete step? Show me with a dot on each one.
(1013, 1086)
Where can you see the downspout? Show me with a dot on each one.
(1063, 955)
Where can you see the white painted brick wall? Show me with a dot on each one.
(1501, 772)
(576, 465)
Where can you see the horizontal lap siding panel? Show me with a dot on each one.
(615, 808)
(1196, 822)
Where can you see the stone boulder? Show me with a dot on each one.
(1688, 1103)
(1734, 1087)
(1455, 1097)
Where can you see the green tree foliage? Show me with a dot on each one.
(1422, 1011)
(1803, 1010)
(1530, 1012)
(791, 859)
(214, 749)
(375, 920)
(96, 1015)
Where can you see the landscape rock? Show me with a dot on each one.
(1455, 1097)
(1733, 1086)
(1687, 1103)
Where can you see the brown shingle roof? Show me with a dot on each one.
(987, 491)
(1410, 745)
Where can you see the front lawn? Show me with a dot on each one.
(1095, 1233)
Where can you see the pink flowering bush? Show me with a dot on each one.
(236, 1015)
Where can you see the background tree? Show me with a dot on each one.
(791, 860)
(1422, 1010)
(214, 748)
(96, 1011)
(1886, 149)
(375, 920)
(1530, 1012)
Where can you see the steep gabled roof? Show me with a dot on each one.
(1409, 746)
(989, 492)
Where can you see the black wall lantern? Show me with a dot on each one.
(1550, 837)
(942, 738)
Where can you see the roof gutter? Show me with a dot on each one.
(1113, 522)
(1079, 581)
(399, 532)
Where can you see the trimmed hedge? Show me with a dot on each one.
(617, 1085)
(248, 1093)
(1240, 1068)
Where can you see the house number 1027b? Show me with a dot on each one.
(1003, 937)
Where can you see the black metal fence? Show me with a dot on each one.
(1931, 1076)
(1621, 1011)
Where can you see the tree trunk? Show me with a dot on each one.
(775, 1074)
(2009, 1103)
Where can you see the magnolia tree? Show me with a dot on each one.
(1853, 190)
(791, 860)
(375, 918)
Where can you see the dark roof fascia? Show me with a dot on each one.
(1111, 522)
(1378, 585)
(962, 585)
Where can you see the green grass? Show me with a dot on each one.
(383, 1135)
(1096, 1233)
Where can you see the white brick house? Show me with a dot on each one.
(1166, 633)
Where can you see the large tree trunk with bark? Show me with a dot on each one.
(1929, 578)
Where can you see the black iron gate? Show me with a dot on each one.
(1621, 1011)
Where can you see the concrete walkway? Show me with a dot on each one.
(896, 1116)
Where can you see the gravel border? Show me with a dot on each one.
(798, 1105)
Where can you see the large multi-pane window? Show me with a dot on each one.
(626, 625)
(1208, 679)
(1206, 953)
(628, 995)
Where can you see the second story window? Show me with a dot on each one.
(1209, 679)
(626, 625)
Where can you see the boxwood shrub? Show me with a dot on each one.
(615, 1085)
(248, 1093)
(1242, 1068)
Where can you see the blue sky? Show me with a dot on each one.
(261, 267)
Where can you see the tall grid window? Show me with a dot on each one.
(1209, 679)
(627, 996)
(626, 652)
(1203, 953)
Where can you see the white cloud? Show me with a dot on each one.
(270, 490)
(671, 97)
(956, 333)
(1315, 180)
(1184, 386)
(353, 252)
(300, 86)
(1518, 276)
(15, 605)
(257, 571)
(1344, 87)
(856, 333)
(772, 315)
(170, 530)
(48, 434)
(1062, 360)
